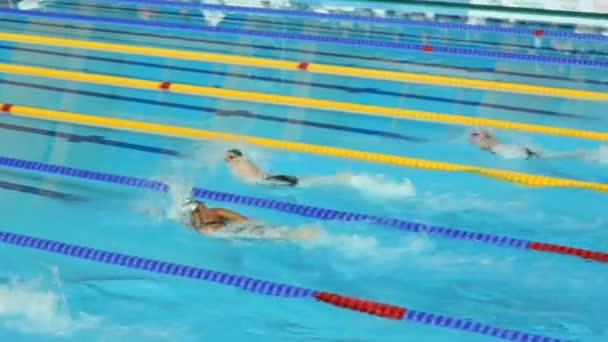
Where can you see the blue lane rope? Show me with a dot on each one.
(298, 50)
(262, 286)
(323, 39)
(350, 17)
(157, 266)
(298, 209)
(267, 24)
(468, 325)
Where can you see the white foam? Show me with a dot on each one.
(27, 5)
(599, 156)
(27, 307)
(376, 186)
(369, 248)
(260, 231)
(213, 18)
(510, 151)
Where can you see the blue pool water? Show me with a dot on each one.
(48, 297)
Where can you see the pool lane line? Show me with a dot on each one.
(398, 21)
(288, 100)
(40, 192)
(269, 63)
(458, 51)
(314, 52)
(344, 88)
(92, 139)
(269, 288)
(311, 211)
(330, 29)
(533, 180)
(216, 111)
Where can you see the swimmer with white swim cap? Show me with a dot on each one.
(208, 220)
(249, 171)
(219, 220)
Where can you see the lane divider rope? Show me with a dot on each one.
(304, 51)
(288, 100)
(329, 69)
(196, 133)
(383, 20)
(450, 50)
(308, 211)
(269, 23)
(265, 287)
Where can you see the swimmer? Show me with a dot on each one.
(232, 224)
(486, 141)
(209, 220)
(249, 171)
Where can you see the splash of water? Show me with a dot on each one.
(260, 231)
(599, 155)
(27, 5)
(375, 186)
(369, 248)
(510, 151)
(27, 307)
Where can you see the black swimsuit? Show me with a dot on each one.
(288, 180)
(531, 153)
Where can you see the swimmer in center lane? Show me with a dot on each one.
(247, 170)
(228, 223)
(487, 141)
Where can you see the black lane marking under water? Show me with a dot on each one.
(309, 52)
(216, 111)
(329, 28)
(349, 89)
(41, 192)
(93, 139)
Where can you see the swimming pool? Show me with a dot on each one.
(376, 150)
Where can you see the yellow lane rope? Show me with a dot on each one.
(298, 101)
(188, 132)
(310, 67)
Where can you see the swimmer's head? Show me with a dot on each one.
(189, 205)
(475, 137)
(233, 154)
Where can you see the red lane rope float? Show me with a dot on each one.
(373, 308)
(165, 85)
(6, 107)
(266, 287)
(583, 253)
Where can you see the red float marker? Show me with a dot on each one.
(427, 48)
(539, 33)
(6, 107)
(583, 253)
(356, 304)
(303, 66)
(165, 85)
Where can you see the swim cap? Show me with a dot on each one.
(474, 137)
(189, 205)
(236, 152)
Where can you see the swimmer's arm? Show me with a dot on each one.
(231, 216)
(196, 221)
